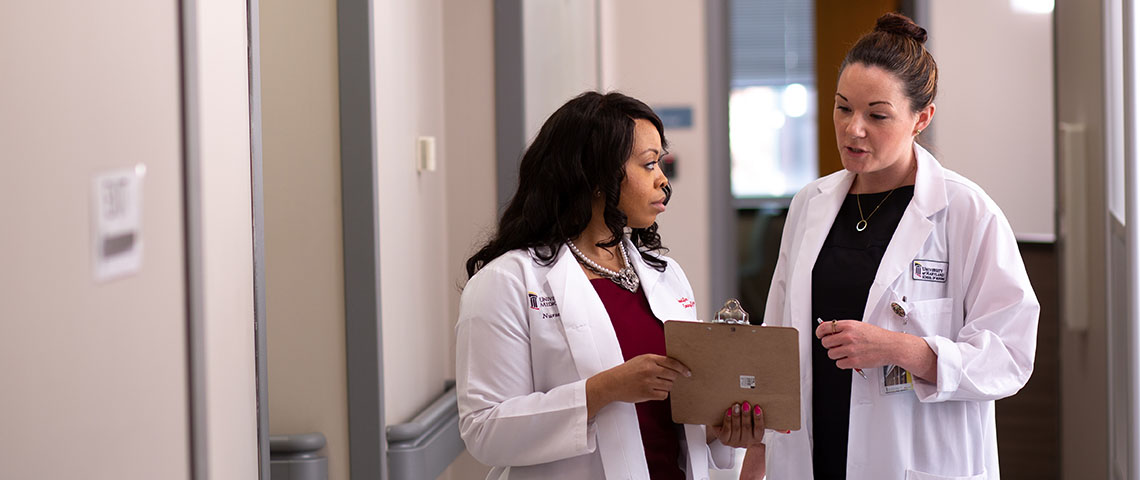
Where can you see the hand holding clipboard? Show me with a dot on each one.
(735, 362)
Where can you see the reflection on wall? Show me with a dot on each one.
(994, 117)
(560, 55)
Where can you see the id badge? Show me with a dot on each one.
(896, 379)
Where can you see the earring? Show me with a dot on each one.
(918, 133)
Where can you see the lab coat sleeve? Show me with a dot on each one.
(721, 456)
(503, 419)
(993, 354)
(774, 307)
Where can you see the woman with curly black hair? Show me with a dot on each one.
(560, 356)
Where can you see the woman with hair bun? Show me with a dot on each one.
(560, 351)
(909, 275)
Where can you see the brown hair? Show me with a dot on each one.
(896, 45)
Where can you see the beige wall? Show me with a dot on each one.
(434, 76)
(469, 112)
(408, 48)
(560, 57)
(303, 241)
(94, 374)
(634, 52)
(421, 251)
(1084, 382)
(104, 387)
(994, 117)
(225, 207)
(469, 123)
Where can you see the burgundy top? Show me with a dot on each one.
(639, 332)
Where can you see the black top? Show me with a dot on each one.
(840, 282)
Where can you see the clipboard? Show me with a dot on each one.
(733, 363)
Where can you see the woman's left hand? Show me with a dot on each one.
(743, 427)
(855, 344)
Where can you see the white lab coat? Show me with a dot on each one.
(981, 322)
(527, 339)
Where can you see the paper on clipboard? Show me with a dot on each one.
(733, 363)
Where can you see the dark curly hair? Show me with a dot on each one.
(581, 149)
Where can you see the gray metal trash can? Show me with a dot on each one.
(294, 457)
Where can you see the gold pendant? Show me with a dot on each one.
(862, 225)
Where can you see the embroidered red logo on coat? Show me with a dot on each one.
(685, 302)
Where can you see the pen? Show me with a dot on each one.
(819, 321)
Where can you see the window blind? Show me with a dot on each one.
(772, 42)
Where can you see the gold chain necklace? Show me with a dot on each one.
(862, 225)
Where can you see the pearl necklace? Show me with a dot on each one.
(626, 277)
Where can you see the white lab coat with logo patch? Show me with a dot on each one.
(527, 339)
(975, 309)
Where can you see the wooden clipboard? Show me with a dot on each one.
(734, 363)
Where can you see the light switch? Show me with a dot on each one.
(425, 154)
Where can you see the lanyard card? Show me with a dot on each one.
(896, 379)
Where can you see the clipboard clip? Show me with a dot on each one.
(731, 312)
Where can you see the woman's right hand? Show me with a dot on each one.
(642, 378)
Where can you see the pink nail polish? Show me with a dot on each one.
(728, 413)
(747, 406)
(787, 431)
(758, 411)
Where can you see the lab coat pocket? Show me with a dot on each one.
(916, 475)
(931, 317)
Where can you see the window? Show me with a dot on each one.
(772, 101)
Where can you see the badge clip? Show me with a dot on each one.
(899, 310)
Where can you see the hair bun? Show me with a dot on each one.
(898, 24)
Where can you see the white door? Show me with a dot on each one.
(93, 372)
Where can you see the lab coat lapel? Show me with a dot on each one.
(651, 285)
(662, 296)
(820, 215)
(821, 212)
(913, 230)
(589, 333)
(594, 348)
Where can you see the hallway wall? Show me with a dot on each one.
(408, 51)
(1084, 365)
(303, 238)
(469, 112)
(226, 210)
(993, 121)
(94, 373)
(99, 382)
(655, 50)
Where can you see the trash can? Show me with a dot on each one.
(294, 457)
